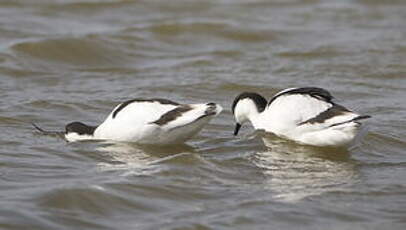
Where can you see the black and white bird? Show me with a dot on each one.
(306, 115)
(147, 121)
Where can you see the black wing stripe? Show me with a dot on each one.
(335, 110)
(172, 115)
(160, 100)
(354, 119)
(209, 112)
(315, 92)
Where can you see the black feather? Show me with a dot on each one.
(160, 100)
(79, 128)
(259, 100)
(335, 110)
(172, 115)
(315, 92)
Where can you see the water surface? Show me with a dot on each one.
(68, 60)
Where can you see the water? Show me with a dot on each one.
(68, 60)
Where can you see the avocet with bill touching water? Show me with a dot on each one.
(306, 115)
(146, 121)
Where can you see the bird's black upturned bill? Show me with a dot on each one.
(45, 132)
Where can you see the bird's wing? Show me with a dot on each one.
(185, 115)
(318, 93)
(133, 119)
(135, 113)
(303, 106)
(154, 107)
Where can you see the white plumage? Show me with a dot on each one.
(148, 121)
(306, 115)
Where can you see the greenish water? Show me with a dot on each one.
(68, 60)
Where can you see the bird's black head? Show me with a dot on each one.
(242, 112)
(79, 128)
(259, 100)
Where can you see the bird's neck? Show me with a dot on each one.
(254, 118)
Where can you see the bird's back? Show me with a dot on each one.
(287, 111)
(155, 122)
(133, 121)
(311, 118)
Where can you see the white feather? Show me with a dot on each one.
(287, 116)
(135, 123)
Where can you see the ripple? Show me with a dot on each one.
(75, 59)
(10, 121)
(222, 30)
(138, 160)
(88, 4)
(71, 52)
(318, 52)
(88, 200)
(377, 2)
(293, 178)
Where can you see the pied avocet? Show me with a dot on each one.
(306, 115)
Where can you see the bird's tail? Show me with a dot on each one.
(213, 109)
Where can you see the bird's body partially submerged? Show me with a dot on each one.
(305, 115)
(148, 121)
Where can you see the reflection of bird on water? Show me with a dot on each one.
(294, 172)
(139, 159)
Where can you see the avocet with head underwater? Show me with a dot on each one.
(146, 121)
(306, 115)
